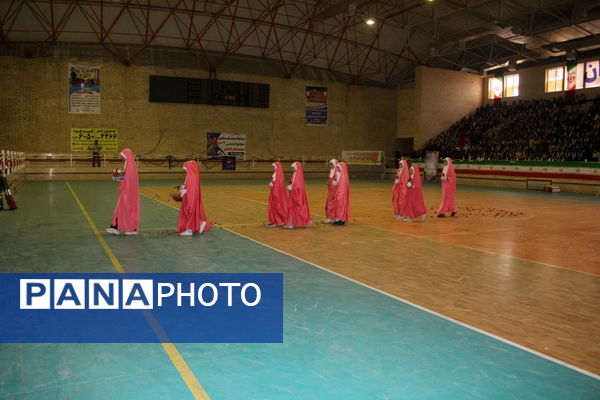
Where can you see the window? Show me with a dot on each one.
(494, 88)
(511, 85)
(555, 79)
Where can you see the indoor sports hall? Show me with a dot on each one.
(494, 297)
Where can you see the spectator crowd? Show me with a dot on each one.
(532, 130)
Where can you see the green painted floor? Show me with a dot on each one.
(342, 340)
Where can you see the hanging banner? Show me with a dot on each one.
(82, 139)
(364, 157)
(84, 89)
(592, 74)
(431, 165)
(316, 105)
(496, 87)
(220, 144)
(571, 75)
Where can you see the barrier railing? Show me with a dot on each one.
(164, 160)
(11, 161)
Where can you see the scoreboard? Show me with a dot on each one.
(168, 89)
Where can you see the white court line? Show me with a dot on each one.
(483, 250)
(428, 237)
(527, 349)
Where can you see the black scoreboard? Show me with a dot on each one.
(168, 89)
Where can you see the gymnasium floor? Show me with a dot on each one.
(516, 270)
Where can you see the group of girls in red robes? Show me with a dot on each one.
(290, 207)
(287, 206)
(407, 193)
(126, 216)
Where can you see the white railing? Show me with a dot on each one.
(11, 161)
(164, 160)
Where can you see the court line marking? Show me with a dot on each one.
(427, 237)
(176, 358)
(509, 342)
(484, 251)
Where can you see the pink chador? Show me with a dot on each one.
(448, 189)
(399, 189)
(277, 209)
(192, 217)
(330, 202)
(415, 206)
(126, 216)
(298, 211)
(342, 195)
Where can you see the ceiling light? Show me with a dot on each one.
(370, 21)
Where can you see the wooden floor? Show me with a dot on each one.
(523, 267)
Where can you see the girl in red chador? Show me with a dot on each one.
(330, 203)
(126, 216)
(399, 189)
(278, 199)
(342, 195)
(298, 211)
(192, 217)
(415, 206)
(448, 189)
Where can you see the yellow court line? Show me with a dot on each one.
(176, 358)
(107, 249)
(455, 321)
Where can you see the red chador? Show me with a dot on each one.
(330, 203)
(415, 206)
(191, 214)
(277, 209)
(342, 194)
(399, 189)
(448, 189)
(298, 211)
(126, 216)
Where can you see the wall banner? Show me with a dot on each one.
(592, 74)
(219, 144)
(364, 157)
(84, 89)
(431, 165)
(83, 138)
(316, 105)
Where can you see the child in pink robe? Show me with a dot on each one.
(448, 189)
(126, 216)
(415, 206)
(399, 189)
(330, 203)
(192, 217)
(298, 211)
(342, 195)
(278, 199)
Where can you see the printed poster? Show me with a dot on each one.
(592, 74)
(364, 157)
(316, 105)
(431, 165)
(84, 89)
(219, 144)
(496, 87)
(83, 138)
